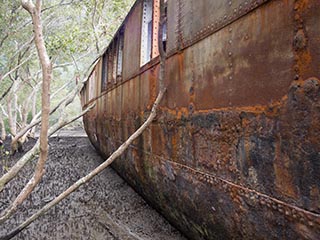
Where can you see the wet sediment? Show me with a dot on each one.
(106, 208)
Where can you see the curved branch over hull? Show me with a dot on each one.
(234, 152)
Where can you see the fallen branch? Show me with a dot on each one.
(36, 120)
(96, 171)
(27, 158)
(46, 66)
(14, 170)
(115, 154)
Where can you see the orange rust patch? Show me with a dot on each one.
(252, 109)
(174, 144)
(178, 113)
(304, 62)
(152, 89)
(301, 5)
(303, 56)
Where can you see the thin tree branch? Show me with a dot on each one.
(3, 39)
(93, 173)
(7, 91)
(35, 12)
(14, 170)
(25, 45)
(15, 68)
(37, 119)
(113, 156)
(61, 4)
(28, 157)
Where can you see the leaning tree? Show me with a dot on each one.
(42, 146)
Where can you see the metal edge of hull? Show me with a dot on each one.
(268, 187)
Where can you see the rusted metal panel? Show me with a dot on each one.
(231, 72)
(201, 18)
(238, 197)
(180, 82)
(126, 91)
(130, 97)
(132, 32)
(118, 103)
(172, 25)
(98, 77)
(113, 103)
(147, 88)
(307, 38)
(217, 209)
(227, 68)
(234, 151)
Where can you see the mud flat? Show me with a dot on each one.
(106, 208)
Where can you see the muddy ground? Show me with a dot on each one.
(106, 208)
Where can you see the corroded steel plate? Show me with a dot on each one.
(234, 151)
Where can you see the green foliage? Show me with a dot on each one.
(5, 85)
(71, 29)
(6, 125)
(63, 42)
(29, 117)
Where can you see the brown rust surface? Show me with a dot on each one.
(199, 19)
(307, 38)
(131, 49)
(260, 168)
(173, 25)
(235, 150)
(239, 55)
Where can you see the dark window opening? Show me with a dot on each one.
(164, 29)
(104, 74)
(114, 60)
(120, 55)
(109, 63)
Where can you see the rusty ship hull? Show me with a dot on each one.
(235, 150)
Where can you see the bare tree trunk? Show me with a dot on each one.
(12, 108)
(21, 137)
(36, 119)
(28, 157)
(115, 154)
(15, 68)
(3, 128)
(26, 108)
(14, 170)
(93, 24)
(162, 22)
(10, 120)
(92, 174)
(6, 92)
(35, 12)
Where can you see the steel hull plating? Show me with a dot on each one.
(235, 150)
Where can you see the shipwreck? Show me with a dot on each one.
(234, 152)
